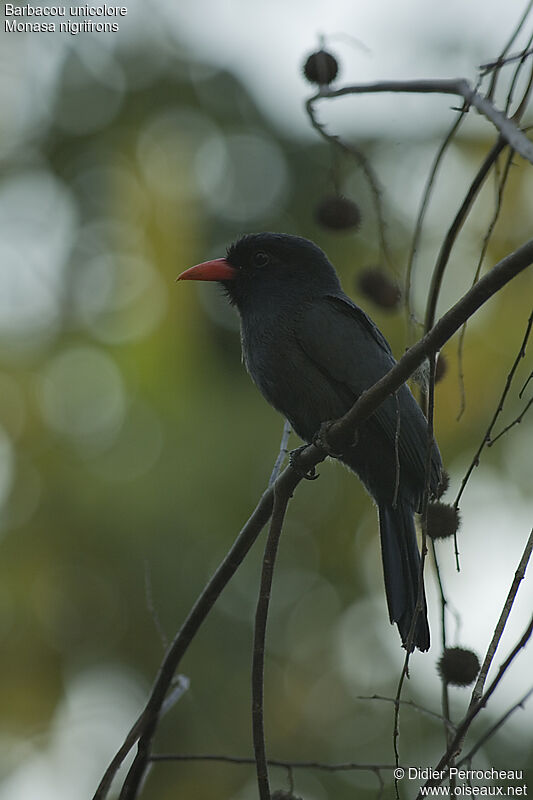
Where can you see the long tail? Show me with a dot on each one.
(401, 565)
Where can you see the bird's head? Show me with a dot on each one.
(269, 265)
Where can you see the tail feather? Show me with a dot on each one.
(401, 566)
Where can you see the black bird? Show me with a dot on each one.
(311, 352)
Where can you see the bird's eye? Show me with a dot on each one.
(261, 259)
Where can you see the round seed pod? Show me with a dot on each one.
(377, 285)
(338, 213)
(458, 666)
(321, 67)
(442, 520)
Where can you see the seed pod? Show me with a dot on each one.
(376, 284)
(321, 67)
(442, 520)
(338, 213)
(458, 666)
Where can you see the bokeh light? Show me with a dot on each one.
(83, 397)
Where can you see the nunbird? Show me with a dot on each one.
(311, 352)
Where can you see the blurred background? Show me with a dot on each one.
(133, 445)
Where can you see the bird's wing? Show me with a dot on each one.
(345, 345)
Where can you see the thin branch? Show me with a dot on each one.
(422, 212)
(455, 746)
(486, 438)
(411, 704)
(501, 62)
(339, 432)
(365, 165)
(501, 59)
(282, 453)
(515, 421)
(454, 86)
(444, 606)
(396, 452)
(454, 229)
(258, 663)
(344, 766)
(445, 699)
(484, 247)
(492, 730)
(517, 115)
(502, 622)
(524, 387)
(347, 766)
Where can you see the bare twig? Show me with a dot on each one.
(524, 387)
(487, 437)
(455, 745)
(365, 165)
(504, 616)
(501, 58)
(396, 452)
(516, 421)
(492, 730)
(411, 704)
(445, 701)
(501, 62)
(282, 452)
(454, 86)
(422, 212)
(502, 182)
(344, 766)
(269, 559)
(453, 231)
(517, 115)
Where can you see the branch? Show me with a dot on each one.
(492, 730)
(278, 515)
(516, 421)
(343, 766)
(417, 707)
(282, 453)
(455, 86)
(487, 437)
(454, 229)
(424, 203)
(472, 713)
(340, 432)
(352, 150)
(504, 616)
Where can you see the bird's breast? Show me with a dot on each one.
(288, 379)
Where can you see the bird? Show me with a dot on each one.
(311, 351)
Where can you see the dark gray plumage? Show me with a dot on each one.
(311, 351)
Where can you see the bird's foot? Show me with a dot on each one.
(322, 439)
(295, 462)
